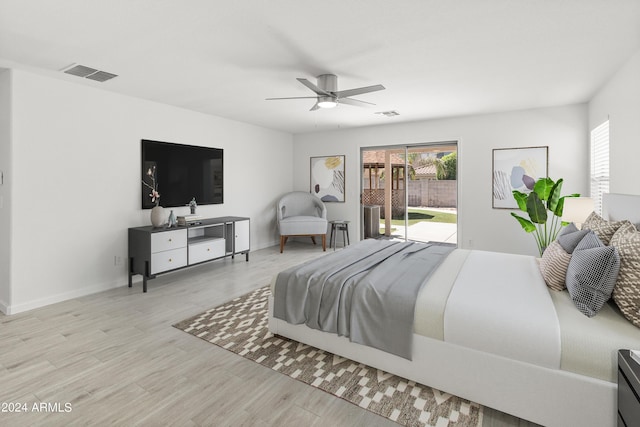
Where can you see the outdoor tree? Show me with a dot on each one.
(449, 166)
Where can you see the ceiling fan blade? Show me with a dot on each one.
(358, 91)
(356, 102)
(293, 97)
(313, 87)
(315, 107)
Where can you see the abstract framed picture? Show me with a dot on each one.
(327, 178)
(516, 169)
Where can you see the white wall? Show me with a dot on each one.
(619, 100)
(76, 174)
(5, 188)
(563, 129)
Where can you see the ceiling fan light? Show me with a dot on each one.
(326, 102)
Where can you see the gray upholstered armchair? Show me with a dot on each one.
(302, 214)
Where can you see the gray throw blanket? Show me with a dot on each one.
(366, 292)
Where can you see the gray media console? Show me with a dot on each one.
(153, 251)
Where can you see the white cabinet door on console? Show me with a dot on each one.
(241, 236)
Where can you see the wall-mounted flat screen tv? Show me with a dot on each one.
(181, 173)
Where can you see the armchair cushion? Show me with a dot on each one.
(303, 225)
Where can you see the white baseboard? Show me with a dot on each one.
(53, 299)
(4, 307)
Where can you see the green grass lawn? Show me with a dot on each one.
(419, 215)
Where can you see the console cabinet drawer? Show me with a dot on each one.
(204, 251)
(168, 260)
(168, 240)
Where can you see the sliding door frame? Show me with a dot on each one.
(406, 149)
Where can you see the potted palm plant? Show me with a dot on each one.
(544, 207)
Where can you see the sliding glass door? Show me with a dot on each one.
(410, 192)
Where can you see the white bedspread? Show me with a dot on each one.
(524, 325)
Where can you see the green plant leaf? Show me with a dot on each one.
(525, 223)
(521, 199)
(536, 209)
(554, 196)
(543, 187)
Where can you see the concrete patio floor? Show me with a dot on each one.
(426, 231)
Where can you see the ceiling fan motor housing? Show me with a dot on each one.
(328, 82)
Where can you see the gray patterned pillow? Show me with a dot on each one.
(569, 228)
(570, 239)
(626, 293)
(604, 229)
(553, 266)
(592, 274)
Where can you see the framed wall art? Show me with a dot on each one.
(516, 169)
(327, 178)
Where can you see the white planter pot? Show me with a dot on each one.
(157, 216)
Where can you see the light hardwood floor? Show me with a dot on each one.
(115, 359)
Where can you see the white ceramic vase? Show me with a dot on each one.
(157, 216)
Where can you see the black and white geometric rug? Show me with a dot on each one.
(241, 326)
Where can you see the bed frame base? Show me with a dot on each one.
(550, 397)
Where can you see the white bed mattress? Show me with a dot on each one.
(590, 345)
(587, 346)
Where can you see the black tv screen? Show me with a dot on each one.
(181, 173)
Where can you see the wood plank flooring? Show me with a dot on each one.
(114, 358)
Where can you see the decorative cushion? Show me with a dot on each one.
(592, 274)
(569, 237)
(553, 266)
(569, 228)
(626, 293)
(604, 229)
(302, 225)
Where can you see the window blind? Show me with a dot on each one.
(599, 164)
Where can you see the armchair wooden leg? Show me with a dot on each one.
(313, 239)
(283, 240)
(324, 242)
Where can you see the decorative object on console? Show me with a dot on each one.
(327, 178)
(188, 219)
(545, 196)
(157, 216)
(172, 220)
(157, 212)
(516, 169)
(192, 206)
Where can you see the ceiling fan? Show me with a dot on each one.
(328, 95)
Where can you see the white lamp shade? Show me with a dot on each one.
(577, 209)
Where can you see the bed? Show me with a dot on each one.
(513, 345)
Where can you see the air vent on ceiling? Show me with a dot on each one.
(101, 76)
(89, 73)
(389, 113)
